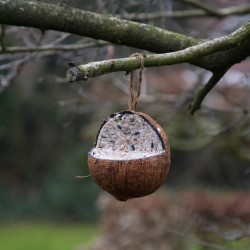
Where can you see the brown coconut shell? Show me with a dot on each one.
(127, 179)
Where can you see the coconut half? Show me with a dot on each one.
(131, 156)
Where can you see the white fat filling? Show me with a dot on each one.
(127, 136)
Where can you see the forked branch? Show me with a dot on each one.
(94, 69)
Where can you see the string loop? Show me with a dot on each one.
(135, 91)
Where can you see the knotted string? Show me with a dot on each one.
(135, 91)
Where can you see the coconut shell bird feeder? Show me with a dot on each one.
(131, 156)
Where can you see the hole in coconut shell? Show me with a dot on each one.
(127, 136)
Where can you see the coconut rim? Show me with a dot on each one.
(128, 159)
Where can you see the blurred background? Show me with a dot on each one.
(48, 126)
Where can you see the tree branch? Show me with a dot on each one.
(49, 16)
(83, 72)
(204, 12)
(219, 12)
(147, 37)
(44, 48)
(15, 69)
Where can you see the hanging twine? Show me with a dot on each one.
(135, 91)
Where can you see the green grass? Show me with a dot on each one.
(46, 236)
(49, 236)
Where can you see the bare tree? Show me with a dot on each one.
(210, 38)
(102, 37)
(216, 55)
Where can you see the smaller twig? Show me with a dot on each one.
(196, 103)
(219, 12)
(204, 11)
(162, 14)
(207, 8)
(60, 39)
(72, 47)
(2, 38)
(15, 63)
(13, 73)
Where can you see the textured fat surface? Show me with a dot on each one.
(127, 136)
